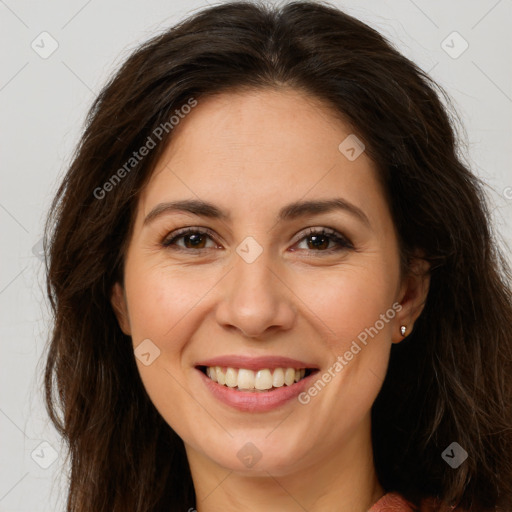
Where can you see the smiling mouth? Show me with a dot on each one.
(263, 380)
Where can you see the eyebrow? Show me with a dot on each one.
(289, 212)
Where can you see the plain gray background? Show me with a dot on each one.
(44, 99)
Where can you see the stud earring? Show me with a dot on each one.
(403, 330)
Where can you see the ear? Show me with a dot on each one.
(118, 301)
(413, 296)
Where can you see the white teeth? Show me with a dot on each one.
(289, 376)
(278, 378)
(212, 373)
(245, 379)
(261, 380)
(221, 376)
(231, 378)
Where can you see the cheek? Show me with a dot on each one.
(354, 310)
(163, 307)
(161, 300)
(348, 300)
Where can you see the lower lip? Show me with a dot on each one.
(249, 401)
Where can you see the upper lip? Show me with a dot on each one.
(255, 363)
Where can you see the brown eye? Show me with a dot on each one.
(192, 239)
(319, 240)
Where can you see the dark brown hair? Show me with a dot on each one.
(450, 381)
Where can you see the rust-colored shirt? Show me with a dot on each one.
(392, 502)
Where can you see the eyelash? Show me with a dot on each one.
(343, 242)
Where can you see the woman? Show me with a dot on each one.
(274, 282)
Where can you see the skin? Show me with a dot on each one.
(250, 153)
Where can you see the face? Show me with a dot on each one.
(262, 279)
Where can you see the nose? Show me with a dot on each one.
(255, 300)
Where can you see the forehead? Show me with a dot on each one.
(260, 148)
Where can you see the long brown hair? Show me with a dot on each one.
(450, 381)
